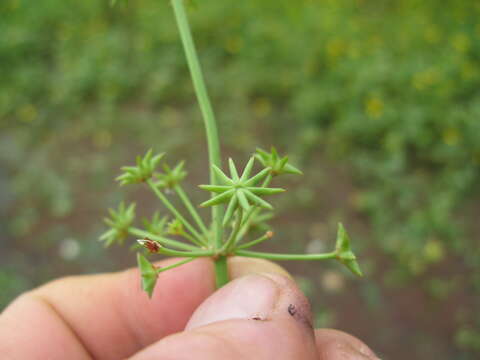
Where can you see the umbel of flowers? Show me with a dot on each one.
(237, 200)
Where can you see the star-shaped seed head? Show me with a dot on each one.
(278, 165)
(119, 223)
(239, 191)
(259, 221)
(175, 227)
(157, 225)
(344, 252)
(171, 177)
(142, 171)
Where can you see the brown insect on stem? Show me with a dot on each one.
(149, 244)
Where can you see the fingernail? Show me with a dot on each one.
(364, 352)
(240, 266)
(357, 352)
(249, 297)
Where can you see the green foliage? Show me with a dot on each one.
(387, 91)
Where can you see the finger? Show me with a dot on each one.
(105, 316)
(254, 317)
(109, 315)
(31, 329)
(337, 345)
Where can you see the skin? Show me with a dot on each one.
(261, 314)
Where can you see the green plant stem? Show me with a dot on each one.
(273, 256)
(246, 222)
(210, 127)
(233, 235)
(162, 240)
(254, 242)
(187, 260)
(193, 253)
(191, 238)
(174, 211)
(193, 212)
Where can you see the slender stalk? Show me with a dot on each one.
(273, 256)
(210, 127)
(187, 260)
(175, 212)
(162, 240)
(256, 241)
(192, 239)
(193, 253)
(188, 204)
(233, 235)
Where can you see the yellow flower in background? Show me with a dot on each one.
(476, 158)
(336, 48)
(469, 71)
(376, 41)
(432, 34)
(27, 113)
(461, 43)
(374, 107)
(424, 79)
(433, 250)
(233, 44)
(451, 136)
(354, 52)
(13, 4)
(262, 107)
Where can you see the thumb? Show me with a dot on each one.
(258, 316)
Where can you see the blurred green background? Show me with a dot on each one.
(378, 101)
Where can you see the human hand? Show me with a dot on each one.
(260, 315)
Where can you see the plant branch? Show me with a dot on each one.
(187, 236)
(187, 260)
(210, 127)
(193, 212)
(267, 236)
(193, 253)
(273, 256)
(233, 235)
(175, 212)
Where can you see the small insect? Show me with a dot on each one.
(292, 310)
(152, 246)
